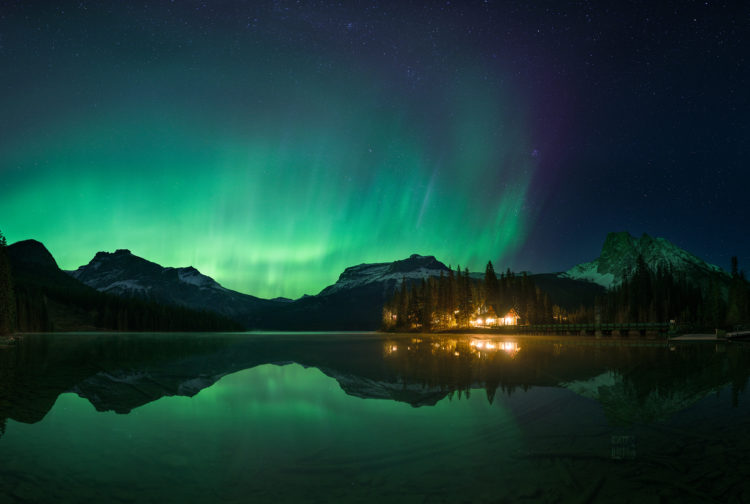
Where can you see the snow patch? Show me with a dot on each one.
(588, 272)
(125, 285)
(591, 388)
(364, 274)
(194, 277)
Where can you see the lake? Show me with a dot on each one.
(371, 417)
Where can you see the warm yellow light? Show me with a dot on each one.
(490, 346)
(508, 320)
(490, 320)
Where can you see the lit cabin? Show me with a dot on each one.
(510, 318)
(488, 318)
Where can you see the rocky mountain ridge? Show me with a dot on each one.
(50, 299)
(354, 302)
(620, 254)
(124, 274)
(416, 267)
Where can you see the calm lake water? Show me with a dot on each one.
(371, 418)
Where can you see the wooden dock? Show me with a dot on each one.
(647, 329)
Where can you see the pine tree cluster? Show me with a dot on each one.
(38, 309)
(457, 301)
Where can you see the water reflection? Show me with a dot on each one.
(639, 381)
(460, 418)
(454, 346)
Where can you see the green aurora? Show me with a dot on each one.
(269, 173)
(279, 211)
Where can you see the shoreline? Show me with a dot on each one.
(495, 333)
(9, 340)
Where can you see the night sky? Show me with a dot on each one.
(271, 144)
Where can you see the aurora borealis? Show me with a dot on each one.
(273, 144)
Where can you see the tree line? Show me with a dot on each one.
(455, 300)
(52, 309)
(661, 295)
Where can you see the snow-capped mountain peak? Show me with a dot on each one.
(620, 254)
(416, 267)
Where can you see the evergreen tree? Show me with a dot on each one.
(451, 290)
(715, 305)
(402, 308)
(491, 286)
(426, 305)
(413, 310)
(7, 297)
(468, 294)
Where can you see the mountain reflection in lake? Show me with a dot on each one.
(371, 418)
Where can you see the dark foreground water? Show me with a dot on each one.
(371, 418)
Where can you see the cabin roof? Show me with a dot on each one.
(505, 310)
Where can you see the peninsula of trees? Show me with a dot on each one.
(459, 301)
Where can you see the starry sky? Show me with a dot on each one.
(271, 144)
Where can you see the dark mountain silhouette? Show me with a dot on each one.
(49, 299)
(124, 274)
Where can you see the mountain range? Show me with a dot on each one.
(355, 301)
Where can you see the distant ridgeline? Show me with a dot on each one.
(44, 298)
(633, 281)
